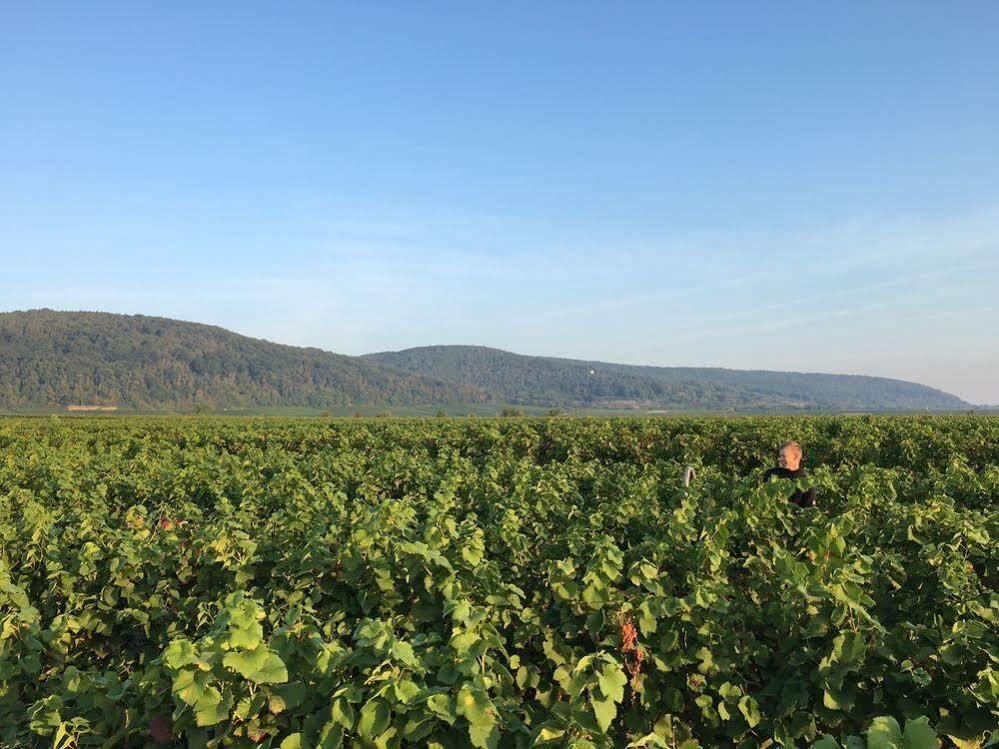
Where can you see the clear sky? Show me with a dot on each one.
(806, 186)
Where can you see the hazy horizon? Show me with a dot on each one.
(791, 188)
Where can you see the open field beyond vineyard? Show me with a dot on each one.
(497, 583)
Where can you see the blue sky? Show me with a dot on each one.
(807, 186)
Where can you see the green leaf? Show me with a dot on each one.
(474, 705)
(483, 735)
(750, 710)
(250, 706)
(596, 595)
(884, 733)
(612, 681)
(729, 691)
(919, 734)
(707, 660)
(416, 729)
(343, 713)
(190, 685)
(406, 691)
(244, 626)
(211, 708)
(826, 742)
(293, 741)
(849, 648)
(330, 737)
(179, 653)
(246, 638)
(604, 710)
(962, 742)
(292, 693)
(374, 719)
(834, 699)
(276, 704)
(45, 715)
(262, 665)
(546, 735)
(403, 652)
(463, 642)
(443, 707)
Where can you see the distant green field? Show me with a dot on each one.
(366, 410)
(465, 409)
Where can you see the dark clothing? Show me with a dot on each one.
(802, 498)
(785, 473)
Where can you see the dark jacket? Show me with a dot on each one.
(800, 497)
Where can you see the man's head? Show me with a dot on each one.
(790, 456)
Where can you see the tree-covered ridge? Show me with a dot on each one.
(52, 358)
(70, 359)
(548, 380)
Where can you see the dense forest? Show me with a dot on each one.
(135, 362)
(68, 359)
(548, 380)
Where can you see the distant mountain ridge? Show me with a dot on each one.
(547, 380)
(52, 359)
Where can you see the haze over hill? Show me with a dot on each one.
(54, 359)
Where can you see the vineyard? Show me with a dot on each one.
(498, 583)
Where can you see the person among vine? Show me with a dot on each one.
(789, 467)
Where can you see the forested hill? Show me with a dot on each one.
(84, 359)
(551, 381)
(59, 359)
